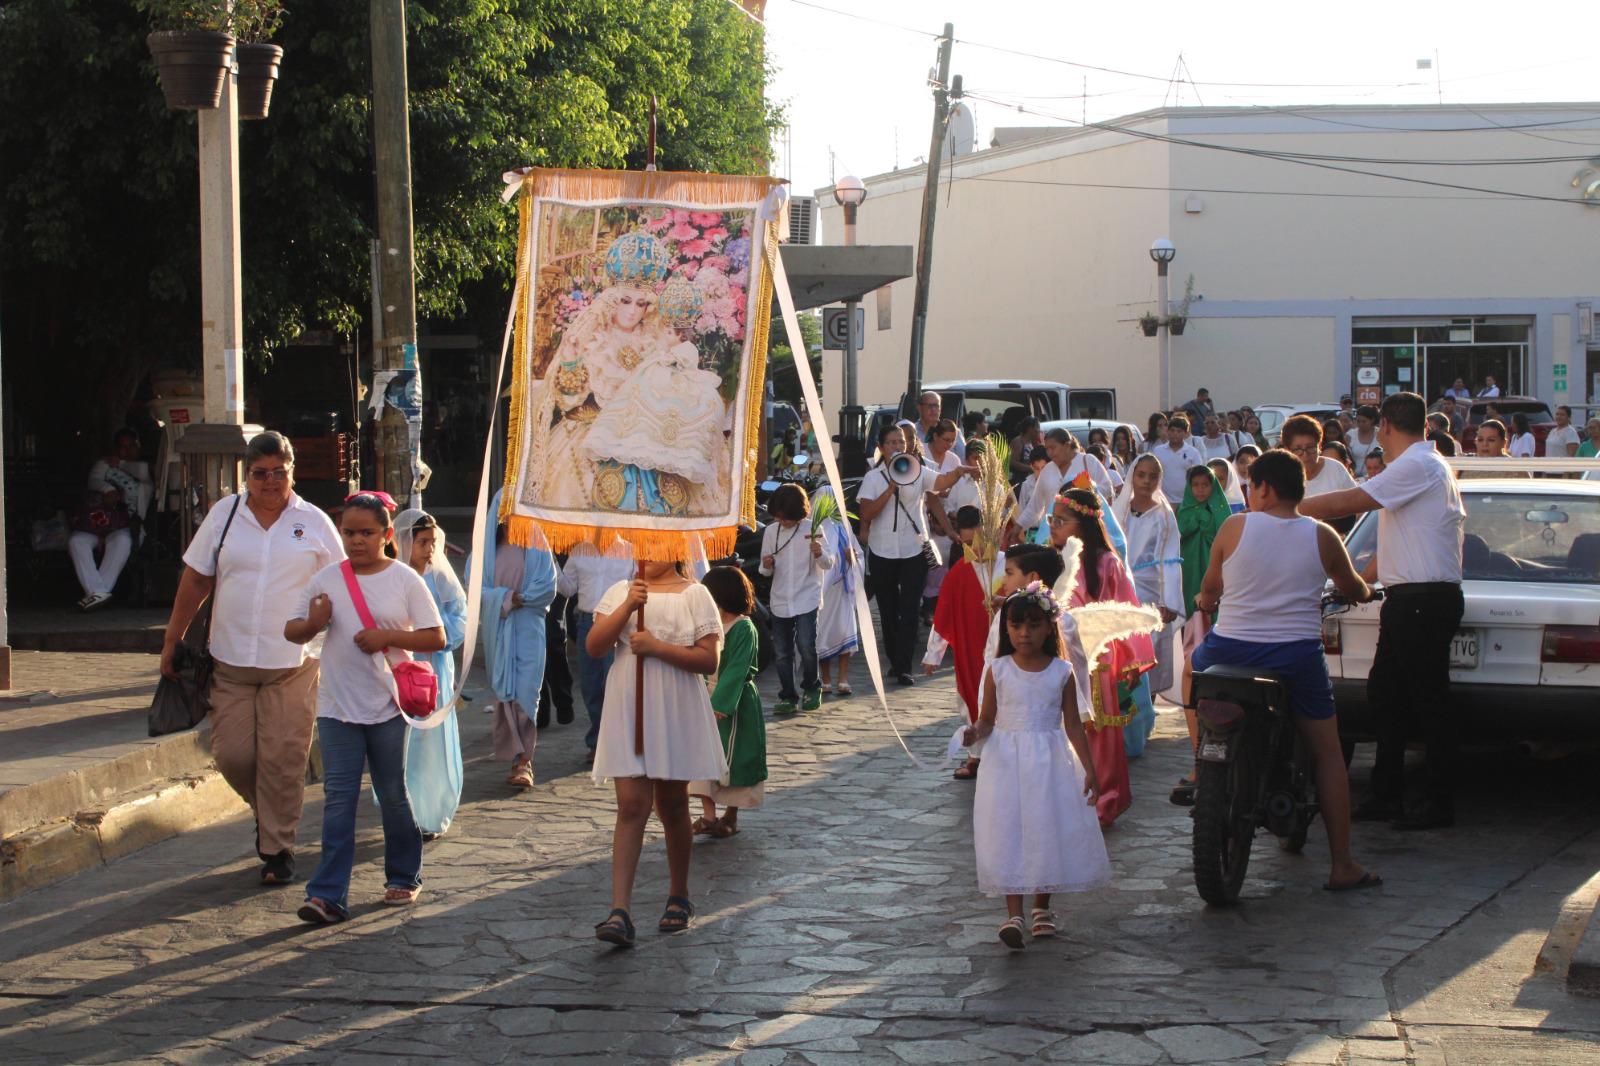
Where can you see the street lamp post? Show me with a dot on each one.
(1163, 251)
(848, 193)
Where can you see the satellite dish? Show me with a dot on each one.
(961, 134)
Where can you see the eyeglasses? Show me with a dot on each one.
(276, 473)
(1059, 519)
(1306, 449)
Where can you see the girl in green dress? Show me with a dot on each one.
(738, 708)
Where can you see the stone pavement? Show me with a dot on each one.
(842, 925)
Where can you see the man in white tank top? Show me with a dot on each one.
(1268, 569)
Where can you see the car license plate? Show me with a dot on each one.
(1214, 751)
(1464, 650)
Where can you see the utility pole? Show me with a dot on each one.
(930, 201)
(394, 342)
(221, 309)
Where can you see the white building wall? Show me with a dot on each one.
(1040, 266)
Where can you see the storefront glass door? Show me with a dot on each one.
(1428, 356)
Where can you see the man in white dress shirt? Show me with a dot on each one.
(1419, 563)
(1490, 390)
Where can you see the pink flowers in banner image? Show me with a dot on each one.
(711, 248)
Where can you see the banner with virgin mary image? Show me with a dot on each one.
(639, 359)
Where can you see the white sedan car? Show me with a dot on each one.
(1525, 663)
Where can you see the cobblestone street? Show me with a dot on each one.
(841, 925)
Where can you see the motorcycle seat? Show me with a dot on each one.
(1277, 684)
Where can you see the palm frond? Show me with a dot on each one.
(995, 499)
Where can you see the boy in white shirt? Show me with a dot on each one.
(797, 562)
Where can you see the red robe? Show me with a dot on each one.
(1124, 661)
(962, 619)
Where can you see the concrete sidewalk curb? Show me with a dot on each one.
(93, 836)
(1583, 972)
(64, 794)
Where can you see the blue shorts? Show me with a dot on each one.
(1300, 662)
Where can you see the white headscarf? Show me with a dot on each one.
(1230, 486)
(449, 586)
(1123, 504)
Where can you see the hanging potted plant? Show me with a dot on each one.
(193, 49)
(253, 22)
(1149, 323)
(1179, 318)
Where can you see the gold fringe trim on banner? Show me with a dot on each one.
(760, 327)
(664, 545)
(516, 417)
(678, 186)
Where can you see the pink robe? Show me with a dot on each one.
(1124, 661)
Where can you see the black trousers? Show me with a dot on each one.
(1409, 687)
(556, 690)
(897, 586)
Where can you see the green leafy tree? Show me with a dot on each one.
(780, 357)
(99, 227)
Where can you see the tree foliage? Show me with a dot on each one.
(99, 228)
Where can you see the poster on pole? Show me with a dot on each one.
(639, 355)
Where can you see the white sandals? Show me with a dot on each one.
(1011, 934)
(1043, 922)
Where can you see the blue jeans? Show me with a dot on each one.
(786, 634)
(345, 749)
(591, 675)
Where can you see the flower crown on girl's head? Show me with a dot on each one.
(1038, 594)
(1083, 509)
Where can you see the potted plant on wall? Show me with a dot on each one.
(1179, 318)
(193, 49)
(254, 21)
(1149, 323)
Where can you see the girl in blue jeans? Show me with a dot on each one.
(797, 562)
(358, 722)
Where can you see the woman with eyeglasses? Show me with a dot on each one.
(255, 553)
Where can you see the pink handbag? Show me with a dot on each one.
(416, 687)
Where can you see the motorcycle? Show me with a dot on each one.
(1252, 770)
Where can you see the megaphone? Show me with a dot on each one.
(905, 468)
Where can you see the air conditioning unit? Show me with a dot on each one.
(802, 220)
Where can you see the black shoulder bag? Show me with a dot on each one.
(179, 705)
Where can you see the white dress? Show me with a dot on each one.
(1033, 828)
(681, 742)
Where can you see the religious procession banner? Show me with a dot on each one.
(639, 357)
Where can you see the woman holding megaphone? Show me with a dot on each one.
(893, 501)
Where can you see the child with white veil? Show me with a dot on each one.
(1156, 562)
(433, 756)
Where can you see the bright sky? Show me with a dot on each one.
(856, 87)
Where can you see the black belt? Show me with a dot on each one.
(1421, 588)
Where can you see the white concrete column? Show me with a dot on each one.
(221, 309)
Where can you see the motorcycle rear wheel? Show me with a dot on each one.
(1222, 832)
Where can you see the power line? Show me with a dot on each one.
(1090, 66)
(1293, 158)
(1233, 192)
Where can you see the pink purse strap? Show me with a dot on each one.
(362, 610)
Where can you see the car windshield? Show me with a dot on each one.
(1517, 536)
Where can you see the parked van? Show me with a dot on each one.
(1007, 403)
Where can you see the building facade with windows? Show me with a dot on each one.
(1324, 250)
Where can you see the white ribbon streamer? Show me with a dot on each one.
(813, 402)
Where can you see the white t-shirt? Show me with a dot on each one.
(1419, 528)
(356, 687)
(1358, 448)
(1331, 478)
(1556, 441)
(264, 572)
(1523, 446)
(1175, 469)
(897, 531)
